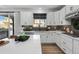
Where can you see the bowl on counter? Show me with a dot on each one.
(4, 42)
(22, 38)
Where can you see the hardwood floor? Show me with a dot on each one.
(51, 49)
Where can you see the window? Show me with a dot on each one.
(4, 25)
(39, 19)
(39, 23)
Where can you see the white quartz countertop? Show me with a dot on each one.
(31, 46)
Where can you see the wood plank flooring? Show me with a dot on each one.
(51, 49)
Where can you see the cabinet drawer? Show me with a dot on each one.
(68, 51)
(67, 39)
(68, 45)
(75, 46)
(43, 39)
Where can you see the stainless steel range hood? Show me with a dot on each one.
(73, 15)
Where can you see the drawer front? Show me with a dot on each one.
(68, 40)
(68, 51)
(67, 45)
(76, 46)
(43, 39)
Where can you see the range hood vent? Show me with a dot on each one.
(73, 15)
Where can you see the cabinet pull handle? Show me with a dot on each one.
(64, 42)
(64, 48)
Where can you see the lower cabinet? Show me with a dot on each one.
(68, 45)
(43, 37)
(47, 37)
(75, 46)
(64, 42)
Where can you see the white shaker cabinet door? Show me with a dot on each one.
(57, 18)
(62, 16)
(49, 38)
(50, 18)
(76, 46)
(26, 18)
(75, 8)
(63, 20)
(69, 9)
(43, 38)
(52, 37)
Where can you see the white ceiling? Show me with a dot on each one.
(31, 7)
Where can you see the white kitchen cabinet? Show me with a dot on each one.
(63, 21)
(54, 18)
(60, 17)
(26, 18)
(47, 37)
(50, 38)
(57, 18)
(69, 9)
(57, 39)
(75, 8)
(75, 46)
(67, 44)
(50, 18)
(64, 42)
(72, 8)
(43, 38)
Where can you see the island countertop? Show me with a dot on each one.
(31, 46)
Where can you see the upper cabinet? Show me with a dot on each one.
(63, 21)
(50, 18)
(57, 18)
(75, 8)
(53, 18)
(71, 9)
(26, 18)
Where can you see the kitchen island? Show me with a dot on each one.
(31, 46)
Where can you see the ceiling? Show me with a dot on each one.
(30, 7)
(6, 9)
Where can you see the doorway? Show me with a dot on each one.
(7, 26)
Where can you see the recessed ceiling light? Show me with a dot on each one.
(40, 8)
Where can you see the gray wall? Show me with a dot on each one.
(17, 25)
